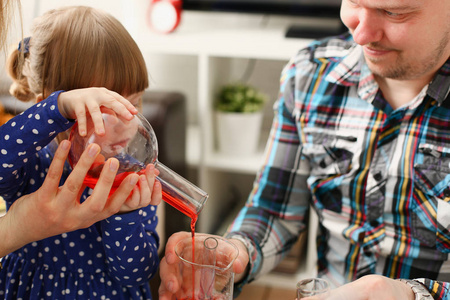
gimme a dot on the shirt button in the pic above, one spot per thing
(447, 192)
(374, 223)
(378, 176)
(361, 237)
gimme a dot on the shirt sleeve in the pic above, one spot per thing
(277, 207)
(438, 289)
(131, 245)
(22, 139)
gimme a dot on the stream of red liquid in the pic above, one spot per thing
(178, 204)
(181, 206)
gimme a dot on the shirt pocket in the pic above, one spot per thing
(330, 156)
(431, 204)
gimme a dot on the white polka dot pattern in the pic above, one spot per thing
(113, 259)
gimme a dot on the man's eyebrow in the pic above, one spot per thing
(401, 7)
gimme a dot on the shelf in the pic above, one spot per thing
(267, 44)
(243, 164)
(193, 145)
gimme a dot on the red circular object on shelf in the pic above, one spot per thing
(164, 15)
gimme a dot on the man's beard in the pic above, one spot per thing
(408, 68)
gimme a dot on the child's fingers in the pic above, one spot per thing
(82, 121)
(145, 191)
(156, 193)
(150, 173)
(123, 192)
(134, 200)
(96, 116)
(155, 186)
(111, 106)
(120, 105)
(130, 107)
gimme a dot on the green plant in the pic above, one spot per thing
(239, 97)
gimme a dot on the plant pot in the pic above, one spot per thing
(238, 133)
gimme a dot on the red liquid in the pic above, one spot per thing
(92, 181)
(178, 204)
(193, 221)
(182, 207)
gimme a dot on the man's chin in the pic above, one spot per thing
(384, 70)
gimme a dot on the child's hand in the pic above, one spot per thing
(147, 191)
(81, 104)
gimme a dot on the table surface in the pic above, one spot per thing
(258, 291)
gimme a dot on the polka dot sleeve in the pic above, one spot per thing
(131, 245)
(21, 140)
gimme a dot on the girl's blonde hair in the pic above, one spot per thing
(77, 47)
(6, 13)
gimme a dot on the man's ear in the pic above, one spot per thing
(39, 98)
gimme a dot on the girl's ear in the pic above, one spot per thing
(39, 98)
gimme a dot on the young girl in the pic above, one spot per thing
(73, 48)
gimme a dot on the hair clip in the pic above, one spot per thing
(24, 45)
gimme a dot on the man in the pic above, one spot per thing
(362, 132)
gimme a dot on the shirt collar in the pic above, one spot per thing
(353, 70)
(439, 88)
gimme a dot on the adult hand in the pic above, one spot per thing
(370, 287)
(53, 210)
(81, 103)
(170, 281)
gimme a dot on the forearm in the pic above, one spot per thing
(22, 224)
(8, 244)
(12, 234)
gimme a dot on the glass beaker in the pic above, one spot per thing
(311, 287)
(205, 270)
(135, 145)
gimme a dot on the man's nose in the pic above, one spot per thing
(368, 28)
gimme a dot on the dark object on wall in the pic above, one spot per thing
(311, 8)
(166, 112)
(319, 9)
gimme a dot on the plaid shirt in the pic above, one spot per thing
(377, 177)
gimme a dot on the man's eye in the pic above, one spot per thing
(393, 15)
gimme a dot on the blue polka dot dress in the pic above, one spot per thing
(113, 259)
